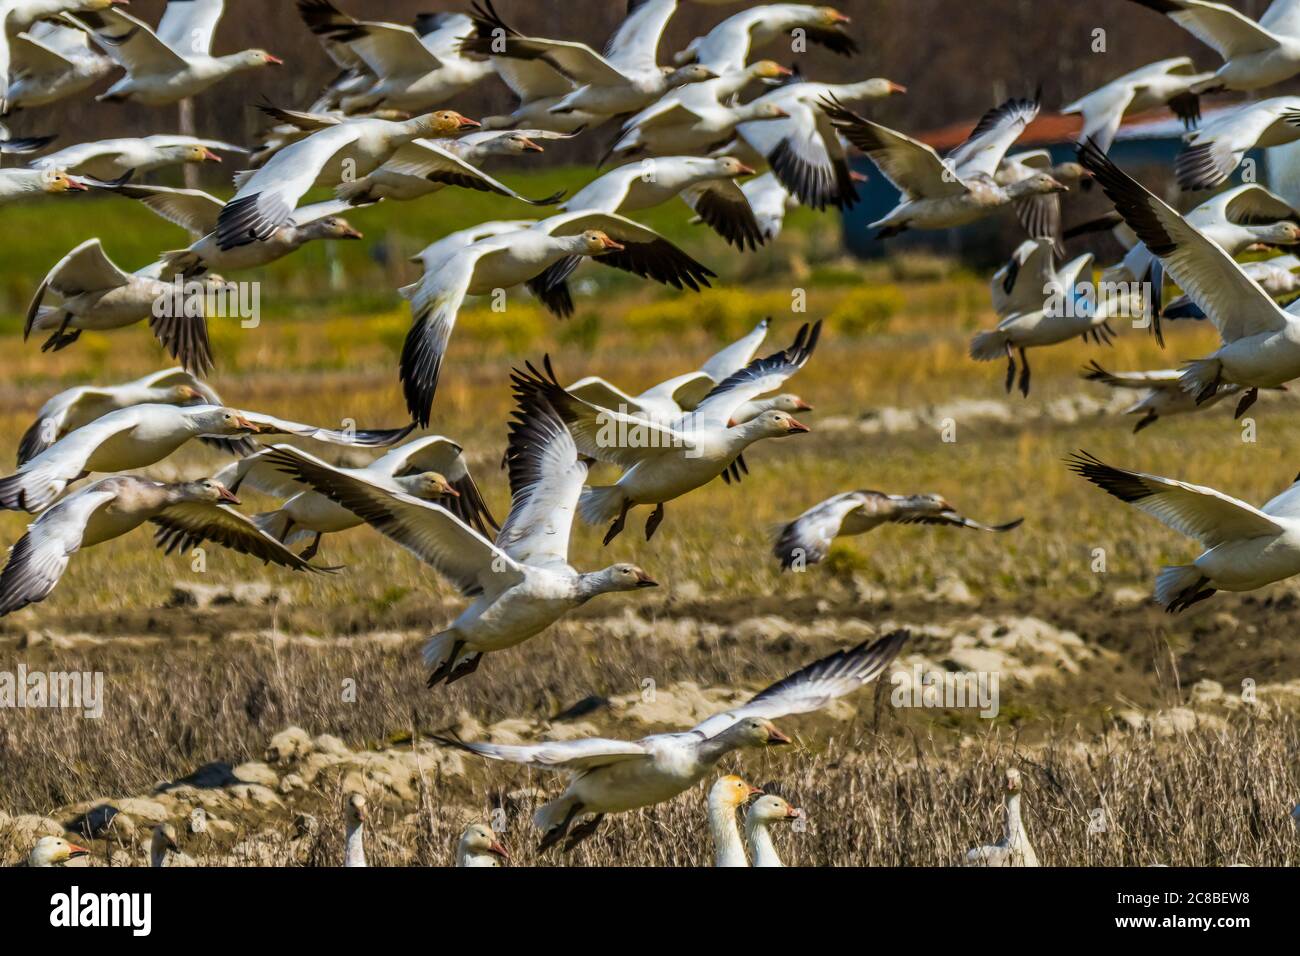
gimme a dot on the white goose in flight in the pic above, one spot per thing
(807, 539)
(111, 159)
(1163, 83)
(187, 514)
(612, 776)
(1261, 340)
(431, 467)
(172, 63)
(1218, 147)
(16, 184)
(763, 814)
(17, 16)
(1014, 848)
(141, 435)
(50, 62)
(521, 584)
(663, 461)
(479, 846)
(1161, 394)
(1255, 54)
(727, 46)
(1245, 547)
(727, 795)
(953, 191)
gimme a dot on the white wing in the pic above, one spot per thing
(132, 44)
(992, 137)
(38, 559)
(1227, 31)
(726, 362)
(807, 539)
(912, 167)
(358, 437)
(573, 756)
(187, 25)
(757, 378)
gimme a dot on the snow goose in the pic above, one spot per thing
(432, 467)
(1217, 148)
(1049, 305)
(83, 404)
(142, 435)
(187, 514)
(1014, 848)
(16, 16)
(335, 30)
(626, 79)
(521, 584)
(707, 185)
(1255, 54)
(807, 539)
(96, 294)
(612, 776)
(170, 64)
(663, 461)
(537, 87)
(51, 62)
(1261, 341)
(726, 47)
(18, 184)
(803, 148)
(541, 256)
(958, 189)
(54, 851)
(111, 159)
(266, 197)
(726, 796)
(1246, 547)
(767, 810)
(1163, 83)
(1161, 393)
(771, 203)
(354, 821)
(479, 846)
(162, 841)
(1041, 215)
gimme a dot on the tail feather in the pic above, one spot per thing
(1199, 375)
(181, 262)
(601, 504)
(275, 523)
(1180, 586)
(550, 815)
(988, 346)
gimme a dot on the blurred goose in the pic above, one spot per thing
(479, 846)
(432, 467)
(1255, 54)
(1276, 276)
(1162, 395)
(354, 821)
(537, 87)
(1245, 547)
(521, 584)
(803, 148)
(170, 64)
(83, 404)
(663, 461)
(1163, 83)
(162, 841)
(187, 514)
(807, 539)
(266, 197)
(1041, 215)
(726, 796)
(17, 16)
(1014, 848)
(336, 30)
(94, 293)
(18, 184)
(767, 810)
(50, 62)
(54, 851)
(707, 185)
(953, 191)
(111, 159)
(612, 776)
(771, 203)
(541, 256)
(1217, 148)
(727, 46)
(141, 435)
(1261, 341)
(626, 79)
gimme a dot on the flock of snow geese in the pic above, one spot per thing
(381, 132)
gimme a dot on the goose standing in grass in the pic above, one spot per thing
(111, 159)
(1217, 148)
(726, 796)
(1261, 340)
(727, 46)
(162, 841)
(142, 435)
(763, 813)
(187, 514)
(479, 846)
(431, 468)
(354, 821)
(1014, 848)
(521, 584)
(50, 62)
(612, 776)
(807, 539)
(1163, 83)
(1162, 395)
(170, 64)
(266, 197)
(663, 461)
(1255, 54)
(18, 184)
(953, 191)
(1245, 547)
(95, 294)
(54, 851)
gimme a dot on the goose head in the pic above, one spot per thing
(1070, 173)
(1284, 233)
(775, 423)
(182, 395)
(331, 227)
(224, 421)
(206, 490)
(830, 17)
(768, 70)
(620, 577)
(757, 732)
(354, 810)
(927, 504)
(54, 851)
(164, 839)
(730, 792)
(1039, 184)
(789, 402)
(59, 181)
(595, 242)
(1013, 781)
(429, 484)
(692, 73)
(731, 167)
(254, 59)
(761, 111)
(190, 154)
(770, 808)
(479, 839)
(443, 123)
(512, 143)
(878, 87)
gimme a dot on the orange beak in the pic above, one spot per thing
(75, 850)
(499, 850)
(775, 736)
(646, 582)
(801, 406)
(746, 170)
(731, 423)
(464, 122)
(228, 495)
(753, 791)
(348, 232)
(251, 426)
(797, 426)
(611, 245)
(274, 60)
(838, 17)
(783, 70)
(77, 186)
(210, 156)
(530, 146)
(793, 813)
(897, 87)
